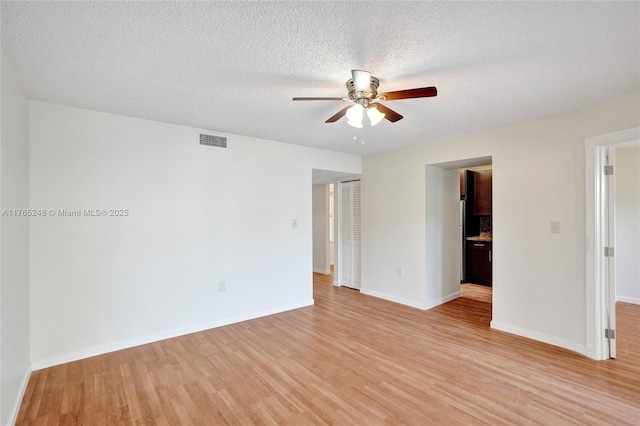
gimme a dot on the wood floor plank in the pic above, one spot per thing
(349, 359)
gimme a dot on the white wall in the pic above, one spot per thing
(320, 229)
(197, 216)
(539, 278)
(14, 246)
(442, 204)
(627, 180)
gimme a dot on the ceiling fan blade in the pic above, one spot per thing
(389, 114)
(361, 80)
(318, 99)
(422, 92)
(338, 115)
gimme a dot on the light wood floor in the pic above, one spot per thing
(349, 360)
(478, 292)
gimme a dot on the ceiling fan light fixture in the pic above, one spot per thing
(354, 116)
(374, 115)
(361, 81)
(363, 92)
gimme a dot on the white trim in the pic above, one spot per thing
(411, 303)
(13, 417)
(633, 300)
(337, 248)
(103, 349)
(394, 299)
(327, 237)
(552, 340)
(322, 271)
(596, 344)
(443, 300)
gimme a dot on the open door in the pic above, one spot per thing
(607, 157)
(600, 157)
(610, 199)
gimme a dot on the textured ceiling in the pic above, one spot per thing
(233, 67)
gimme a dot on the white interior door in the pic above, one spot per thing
(345, 234)
(349, 234)
(600, 269)
(355, 235)
(610, 233)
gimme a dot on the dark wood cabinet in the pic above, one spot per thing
(478, 262)
(482, 193)
(471, 223)
(475, 189)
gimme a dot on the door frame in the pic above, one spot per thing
(443, 247)
(598, 288)
(326, 177)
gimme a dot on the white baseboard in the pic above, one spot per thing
(541, 337)
(442, 300)
(13, 417)
(103, 349)
(322, 271)
(628, 300)
(391, 298)
(412, 303)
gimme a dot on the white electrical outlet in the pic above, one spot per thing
(400, 271)
(222, 286)
(555, 226)
(294, 223)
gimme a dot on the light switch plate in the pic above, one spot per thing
(555, 226)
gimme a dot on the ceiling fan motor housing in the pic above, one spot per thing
(363, 97)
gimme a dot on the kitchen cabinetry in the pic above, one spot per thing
(482, 193)
(471, 223)
(478, 259)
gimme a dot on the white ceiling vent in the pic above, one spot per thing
(212, 141)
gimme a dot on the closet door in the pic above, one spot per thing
(355, 235)
(350, 234)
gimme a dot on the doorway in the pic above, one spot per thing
(326, 219)
(476, 227)
(443, 239)
(602, 248)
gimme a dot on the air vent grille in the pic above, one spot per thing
(213, 141)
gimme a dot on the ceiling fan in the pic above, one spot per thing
(363, 94)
